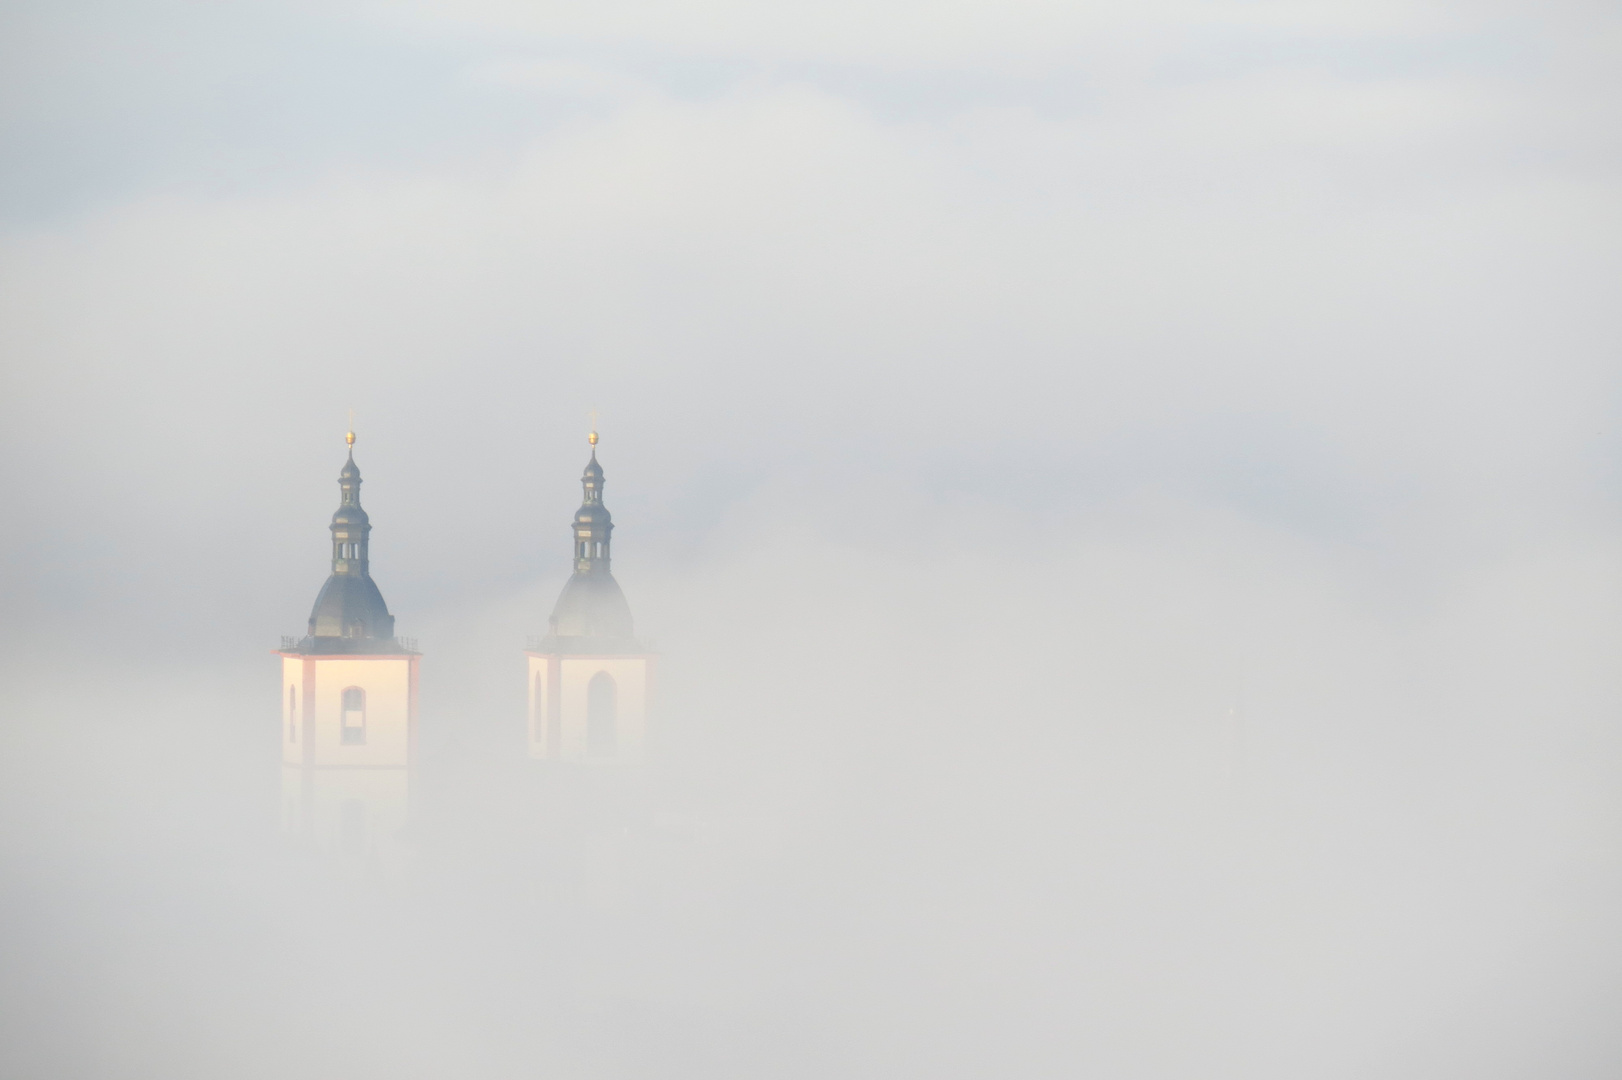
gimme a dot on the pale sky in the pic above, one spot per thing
(1321, 263)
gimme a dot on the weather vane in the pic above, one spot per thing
(592, 438)
(349, 436)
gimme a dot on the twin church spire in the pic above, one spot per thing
(349, 686)
(593, 524)
(591, 612)
(589, 677)
(351, 527)
(350, 615)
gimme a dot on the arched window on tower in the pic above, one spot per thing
(601, 714)
(353, 724)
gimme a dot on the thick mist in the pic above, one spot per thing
(1124, 497)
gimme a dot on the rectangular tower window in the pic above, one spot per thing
(353, 724)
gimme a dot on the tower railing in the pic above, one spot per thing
(294, 644)
(538, 642)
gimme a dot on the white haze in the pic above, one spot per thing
(1126, 497)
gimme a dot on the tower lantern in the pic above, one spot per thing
(351, 528)
(593, 525)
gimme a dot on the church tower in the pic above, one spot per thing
(589, 676)
(349, 701)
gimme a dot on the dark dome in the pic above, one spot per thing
(351, 515)
(593, 514)
(592, 605)
(350, 606)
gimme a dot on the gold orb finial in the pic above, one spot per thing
(592, 438)
(349, 436)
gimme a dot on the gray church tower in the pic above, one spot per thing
(589, 676)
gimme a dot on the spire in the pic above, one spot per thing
(349, 606)
(593, 524)
(591, 604)
(350, 527)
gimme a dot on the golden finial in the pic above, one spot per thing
(592, 438)
(349, 436)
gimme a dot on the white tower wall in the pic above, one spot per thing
(560, 701)
(346, 771)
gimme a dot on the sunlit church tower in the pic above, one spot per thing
(349, 701)
(589, 676)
